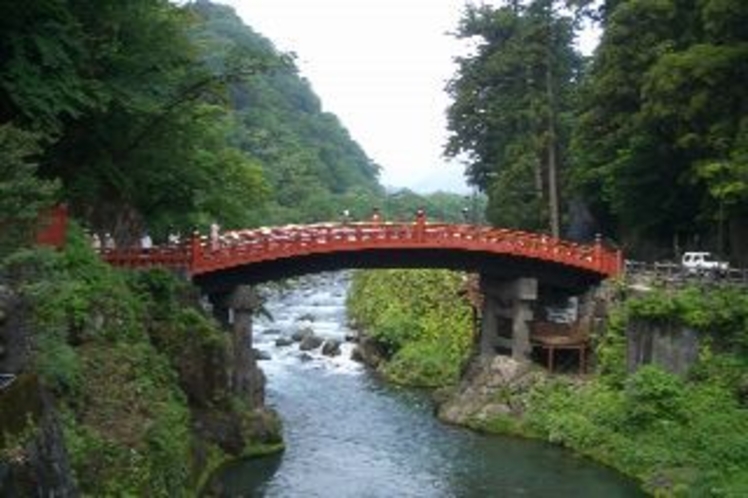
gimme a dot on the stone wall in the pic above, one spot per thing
(673, 347)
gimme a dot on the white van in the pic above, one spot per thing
(703, 262)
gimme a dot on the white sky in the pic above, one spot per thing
(381, 66)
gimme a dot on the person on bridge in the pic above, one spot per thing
(375, 216)
(146, 242)
(96, 242)
(214, 235)
(420, 216)
(109, 242)
(173, 238)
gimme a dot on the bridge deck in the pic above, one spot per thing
(203, 255)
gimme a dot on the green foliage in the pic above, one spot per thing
(510, 114)
(721, 313)
(58, 364)
(661, 113)
(678, 436)
(75, 293)
(22, 194)
(40, 74)
(653, 396)
(310, 161)
(610, 350)
(423, 364)
(132, 435)
(417, 315)
(674, 437)
(109, 345)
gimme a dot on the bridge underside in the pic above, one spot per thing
(487, 264)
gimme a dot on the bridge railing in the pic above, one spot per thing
(240, 247)
(178, 257)
(252, 245)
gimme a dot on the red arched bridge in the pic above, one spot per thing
(261, 254)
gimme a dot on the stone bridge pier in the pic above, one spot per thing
(233, 310)
(507, 312)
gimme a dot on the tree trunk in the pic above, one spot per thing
(553, 209)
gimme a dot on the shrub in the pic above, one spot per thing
(420, 320)
(653, 395)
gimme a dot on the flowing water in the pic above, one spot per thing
(350, 435)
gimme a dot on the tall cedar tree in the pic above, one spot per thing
(661, 149)
(510, 110)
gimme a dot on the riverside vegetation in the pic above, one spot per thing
(131, 371)
(678, 436)
(121, 384)
(148, 116)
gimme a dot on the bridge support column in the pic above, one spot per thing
(220, 309)
(507, 311)
(234, 311)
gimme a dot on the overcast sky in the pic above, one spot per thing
(381, 67)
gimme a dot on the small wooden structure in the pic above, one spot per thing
(553, 336)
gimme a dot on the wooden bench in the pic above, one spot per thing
(561, 336)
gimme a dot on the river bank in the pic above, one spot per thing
(677, 434)
(121, 381)
(350, 433)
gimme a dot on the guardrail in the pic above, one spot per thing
(670, 274)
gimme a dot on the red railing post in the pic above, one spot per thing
(420, 225)
(52, 227)
(597, 254)
(619, 263)
(195, 252)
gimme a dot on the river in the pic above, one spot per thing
(350, 435)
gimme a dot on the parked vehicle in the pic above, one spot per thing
(702, 262)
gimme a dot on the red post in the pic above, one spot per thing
(420, 224)
(597, 253)
(52, 229)
(195, 251)
(620, 264)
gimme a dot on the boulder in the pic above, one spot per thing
(356, 355)
(260, 355)
(492, 387)
(283, 341)
(310, 342)
(300, 334)
(331, 347)
(306, 317)
(368, 352)
(271, 332)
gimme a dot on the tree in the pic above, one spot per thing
(509, 115)
(23, 196)
(660, 140)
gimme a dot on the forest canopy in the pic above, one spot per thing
(644, 141)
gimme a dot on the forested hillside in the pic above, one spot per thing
(144, 116)
(644, 141)
(154, 116)
(308, 158)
